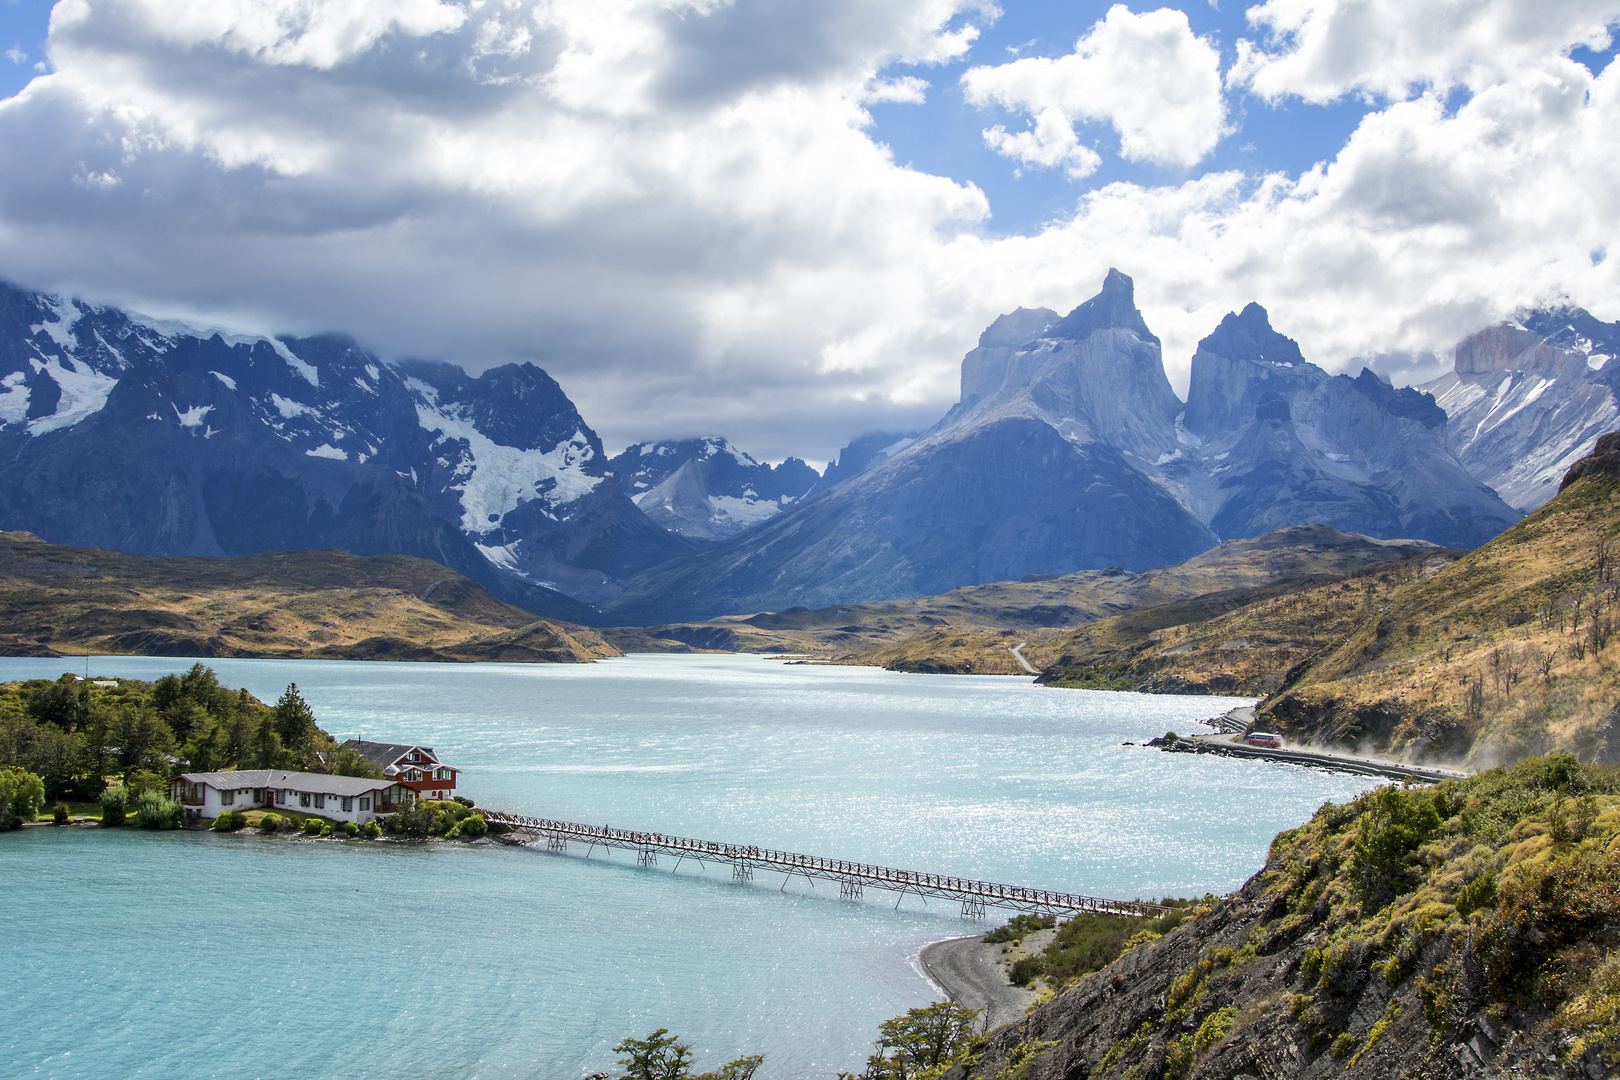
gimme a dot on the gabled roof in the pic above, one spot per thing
(387, 754)
(313, 783)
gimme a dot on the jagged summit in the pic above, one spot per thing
(706, 489)
(1112, 308)
(1248, 335)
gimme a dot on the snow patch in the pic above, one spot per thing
(192, 417)
(326, 450)
(503, 556)
(494, 480)
(1165, 459)
(229, 382)
(14, 402)
(1183, 436)
(742, 511)
(1595, 361)
(84, 393)
(287, 407)
(376, 376)
(60, 331)
(419, 387)
(362, 384)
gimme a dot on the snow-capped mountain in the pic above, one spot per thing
(157, 437)
(707, 489)
(1069, 450)
(1529, 398)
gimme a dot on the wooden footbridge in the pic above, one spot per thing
(853, 878)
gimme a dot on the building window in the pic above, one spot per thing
(365, 802)
(348, 803)
(281, 797)
(320, 802)
(441, 774)
(303, 798)
(226, 798)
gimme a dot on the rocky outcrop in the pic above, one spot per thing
(1528, 398)
(1269, 440)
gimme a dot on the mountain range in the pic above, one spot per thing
(1067, 451)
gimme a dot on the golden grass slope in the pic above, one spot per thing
(57, 600)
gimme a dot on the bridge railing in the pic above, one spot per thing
(992, 893)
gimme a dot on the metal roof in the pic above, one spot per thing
(313, 783)
(385, 754)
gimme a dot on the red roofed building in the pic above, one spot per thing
(415, 767)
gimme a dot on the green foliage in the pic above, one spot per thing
(660, 1056)
(351, 829)
(60, 813)
(1025, 970)
(1478, 893)
(114, 804)
(468, 803)
(1394, 824)
(921, 1040)
(312, 826)
(22, 795)
(1020, 926)
(347, 761)
(270, 823)
(230, 821)
(1021, 1059)
(294, 720)
(471, 827)
(430, 817)
(154, 810)
(371, 830)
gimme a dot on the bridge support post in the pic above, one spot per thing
(742, 872)
(972, 909)
(850, 890)
(648, 857)
(556, 843)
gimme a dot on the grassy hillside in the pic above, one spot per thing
(57, 600)
(1434, 932)
(1503, 653)
(969, 630)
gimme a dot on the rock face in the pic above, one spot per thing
(1036, 470)
(706, 489)
(158, 438)
(1269, 440)
(870, 449)
(1528, 398)
(1069, 451)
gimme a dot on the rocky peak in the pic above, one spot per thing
(1248, 336)
(1025, 324)
(1242, 366)
(1114, 308)
(1512, 347)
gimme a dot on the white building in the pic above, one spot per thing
(340, 798)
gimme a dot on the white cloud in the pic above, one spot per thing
(1320, 50)
(680, 212)
(1148, 75)
(16, 55)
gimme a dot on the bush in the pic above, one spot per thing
(312, 826)
(114, 804)
(60, 814)
(22, 794)
(371, 830)
(270, 823)
(230, 821)
(473, 826)
(468, 803)
(351, 829)
(155, 811)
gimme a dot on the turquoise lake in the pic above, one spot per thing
(133, 954)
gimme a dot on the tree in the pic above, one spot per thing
(293, 719)
(660, 1056)
(347, 761)
(22, 794)
(920, 1039)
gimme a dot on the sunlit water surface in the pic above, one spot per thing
(188, 955)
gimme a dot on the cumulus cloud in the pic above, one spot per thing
(1148, 75)
(1320, 50)
(694, 238)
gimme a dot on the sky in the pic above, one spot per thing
(785, 222)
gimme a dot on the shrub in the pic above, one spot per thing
(371, 830)
(270, 823)
(1025, 971)
(155, 811)
(60, 814)
(350, 828)
(473, 826)
(312, 826)
(230, 821)
(114, 804)
(468, 803)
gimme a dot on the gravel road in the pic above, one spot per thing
(966, 969)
